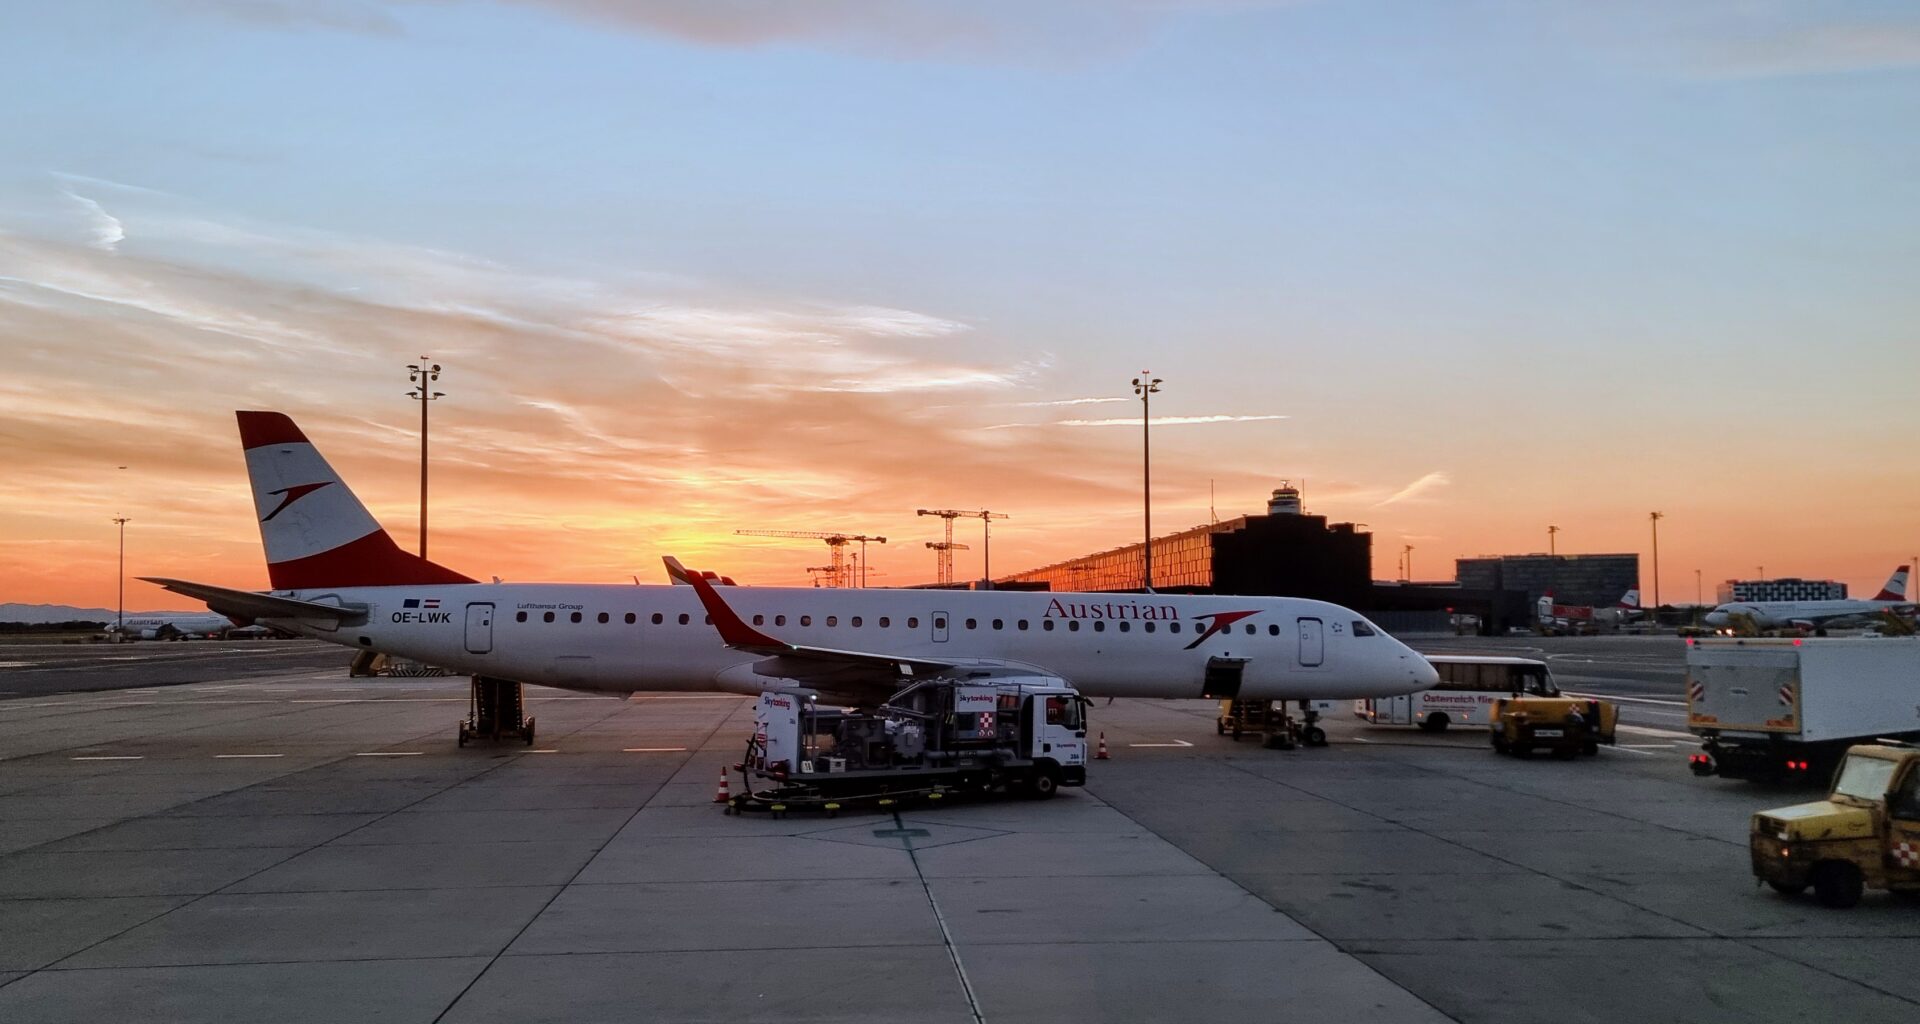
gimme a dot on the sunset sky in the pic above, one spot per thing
(1464, 269)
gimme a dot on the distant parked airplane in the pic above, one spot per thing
(1814, 614)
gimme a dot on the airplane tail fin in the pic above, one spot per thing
(316, 533)
(1896, 588)
(1631, 600)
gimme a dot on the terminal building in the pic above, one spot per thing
(1285, 553)
(1787, 588)
(1598, 581)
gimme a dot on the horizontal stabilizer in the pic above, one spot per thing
(247, 605)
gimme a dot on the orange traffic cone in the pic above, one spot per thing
(1102, 754)
(722, 796)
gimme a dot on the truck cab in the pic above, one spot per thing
(1865, 834)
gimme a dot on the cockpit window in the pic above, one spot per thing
(1361, 628)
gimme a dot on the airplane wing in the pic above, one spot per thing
(248, 606)
(800, 661)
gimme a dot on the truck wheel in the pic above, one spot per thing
(1565, 752)
(1219, 728)
(1591, 748)
(1837, 884)
(1042, 784)
(1436, 722)
(1788, 888)
(1500, 744)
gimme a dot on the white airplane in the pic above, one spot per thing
(338, 576)
(1553, 615)
(173, 627)
(1813, 614)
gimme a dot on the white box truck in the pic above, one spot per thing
(1777, 710)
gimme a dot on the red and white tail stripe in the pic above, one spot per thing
(317, 534)
(1896, 588)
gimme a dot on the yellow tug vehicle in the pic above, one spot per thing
(1565, 725)
(1865, 834)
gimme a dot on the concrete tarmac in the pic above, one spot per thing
(309, 847)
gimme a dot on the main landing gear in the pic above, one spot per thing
(496, 712)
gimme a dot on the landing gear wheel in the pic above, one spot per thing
(1837, 885)
(1313, 736)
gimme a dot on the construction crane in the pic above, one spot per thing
(946, 548)
(986, 534)
(836, 543)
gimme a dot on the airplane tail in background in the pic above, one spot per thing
(317, 534)
(1896, 588)
(1631, 600)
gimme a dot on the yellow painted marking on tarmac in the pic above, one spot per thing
(652, 750)
(390, 753)
(247, 755)
(110, 757)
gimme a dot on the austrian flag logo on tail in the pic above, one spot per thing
(1221, 622)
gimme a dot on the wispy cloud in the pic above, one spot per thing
(105, 230)
(1415, 489)
(1123, 421)
(1071, 401)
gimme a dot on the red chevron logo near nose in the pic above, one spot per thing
(293, 494)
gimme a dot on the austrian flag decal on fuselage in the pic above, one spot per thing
(415, 602)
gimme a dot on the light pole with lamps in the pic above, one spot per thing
(422, 375)
(1654, 518)
(1551, 530)
(120, 617)
(1146, 387)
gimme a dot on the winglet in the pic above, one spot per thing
(734, 631)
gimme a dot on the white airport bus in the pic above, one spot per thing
(1469, 684)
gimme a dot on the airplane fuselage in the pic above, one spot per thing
(620, 639)
(1779, 614)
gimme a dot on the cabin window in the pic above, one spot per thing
(885, 622)
(519, 616)
(708, 619)
(1273, 630)
(973, 623)
(1099, 625)
(806, 620)
(1046, 624)
(1173, 627)
(1023, 625)
(779, 620)
(1251, 629)
(1148, 626)
(854, 622)
(603, 618)
(759, 620)
(1073, 625)
(1359, 629)
(833, 620)
(658, 618)
(998, 624)
(913, 622)
(1126, 627)
(683, 618)
(546, 617)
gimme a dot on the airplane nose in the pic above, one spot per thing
(1716, 618)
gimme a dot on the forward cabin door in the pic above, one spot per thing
(479, 628)
(1313, 643)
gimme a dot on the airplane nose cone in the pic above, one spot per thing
(1424, 674)
(1716, 618)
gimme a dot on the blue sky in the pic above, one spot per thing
(1467, 239)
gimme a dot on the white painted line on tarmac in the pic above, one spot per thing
(390, 753)
(1641, 730)
(1629, 700)
(1175, 743)
(1630, 750)
(110, 757)
(1647, 746)
(543, 750)
(247, 755)
(652, 750)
